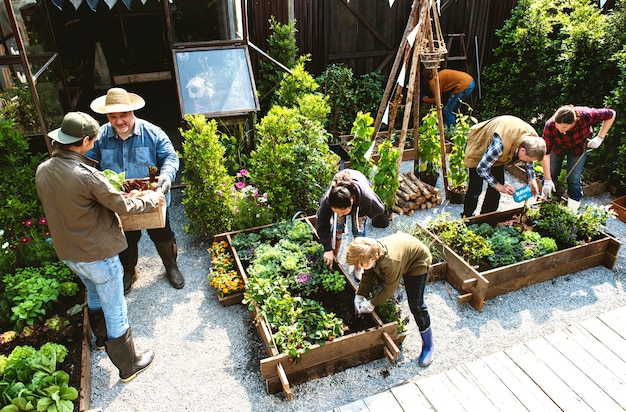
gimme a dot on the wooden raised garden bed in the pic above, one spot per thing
(619, 207)
(280, 372)
(475, 287)
(592, 184)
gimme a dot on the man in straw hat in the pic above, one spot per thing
(131, 145)
(81, 205)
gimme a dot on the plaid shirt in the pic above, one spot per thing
(493, 153)
(575, 140)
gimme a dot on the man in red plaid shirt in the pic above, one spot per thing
(569, 134)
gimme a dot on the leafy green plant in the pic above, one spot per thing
(207, 199)
(333, 280)
(250, 207)
(429, 146)
(292, 161)
(286, 269)
(385, 180)
(458, 174)
(361, 143)
(31, 382)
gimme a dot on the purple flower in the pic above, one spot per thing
(28, 223)
(240, 185)
(303, 278)
(43, 221)
(243, 172)
(220, 193)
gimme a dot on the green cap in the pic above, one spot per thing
(75, 126)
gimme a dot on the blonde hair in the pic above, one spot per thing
(361, 250)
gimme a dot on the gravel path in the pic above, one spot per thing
(207, 356)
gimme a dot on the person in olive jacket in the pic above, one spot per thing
(392, 259)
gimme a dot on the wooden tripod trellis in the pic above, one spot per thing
(419, 45)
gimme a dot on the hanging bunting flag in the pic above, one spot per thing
(401, 77)
(602, 3)
(76, 3)
(411, 37)
(391, 3)
(110, 3)
(58, 3)
(127, 3)
(386, 115)
(93, 4)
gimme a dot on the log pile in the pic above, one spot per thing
(414, 194)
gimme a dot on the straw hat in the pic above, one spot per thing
(117, 100)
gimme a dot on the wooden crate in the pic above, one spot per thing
(476, 287)
(146, 220)
(593, 186)
(350, 350)
(619, 207)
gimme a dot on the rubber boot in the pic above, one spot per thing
(573, 205)
(98, 327)
(129, 261)
(428, 348)
(122, 353)
(168, 252)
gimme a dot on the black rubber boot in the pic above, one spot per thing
(98, 327)
(129, 259)
(168, 252)
(122, 353)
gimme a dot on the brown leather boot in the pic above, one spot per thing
(98, 327)
(168, 252)
(122, 353)
(129, 259)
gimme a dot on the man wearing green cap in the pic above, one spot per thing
(82, 209)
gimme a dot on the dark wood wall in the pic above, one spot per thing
(365, 34)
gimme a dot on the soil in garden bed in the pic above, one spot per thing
(342, 305)
(71, 338)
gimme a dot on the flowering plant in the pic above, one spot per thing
(223, 277)
(26, 244)
(250, 208)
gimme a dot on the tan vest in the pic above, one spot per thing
(512, 130)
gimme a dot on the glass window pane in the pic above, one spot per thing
(215, 81)
(201, 20)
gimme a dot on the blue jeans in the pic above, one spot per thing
(414, 286)
(574, 180)
(454, 101)
(105, 290)
(341, 223)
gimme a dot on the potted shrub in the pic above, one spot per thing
(458, 174)
(386, 182)
(429, 148)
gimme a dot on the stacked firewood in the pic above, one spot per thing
(414, 194)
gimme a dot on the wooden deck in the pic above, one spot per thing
(580, 368)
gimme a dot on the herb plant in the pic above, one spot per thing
(361, 143)
(385, 180)
(429, 146)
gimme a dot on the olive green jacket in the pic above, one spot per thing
(403, 255)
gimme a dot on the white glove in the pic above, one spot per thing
(358, 299)
(595, 142)
(164, 183)
(366, 307)
(547, 189)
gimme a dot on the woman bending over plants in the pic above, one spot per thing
(391, 259)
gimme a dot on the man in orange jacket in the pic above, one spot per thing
(457, 83)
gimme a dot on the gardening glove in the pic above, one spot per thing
(164, 183)
(595, 142)
(547, 189)
(358, 299)
(366, 307)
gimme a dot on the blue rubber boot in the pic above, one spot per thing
(428, 348)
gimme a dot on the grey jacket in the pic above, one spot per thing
(81, 205)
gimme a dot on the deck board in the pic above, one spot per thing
(579, 368)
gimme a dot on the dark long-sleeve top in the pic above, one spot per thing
(366, 201)
(403, 255)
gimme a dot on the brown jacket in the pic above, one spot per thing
(512, 130)
(81, 205)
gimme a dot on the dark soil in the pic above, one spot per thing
(342, 305)
(71, 338)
